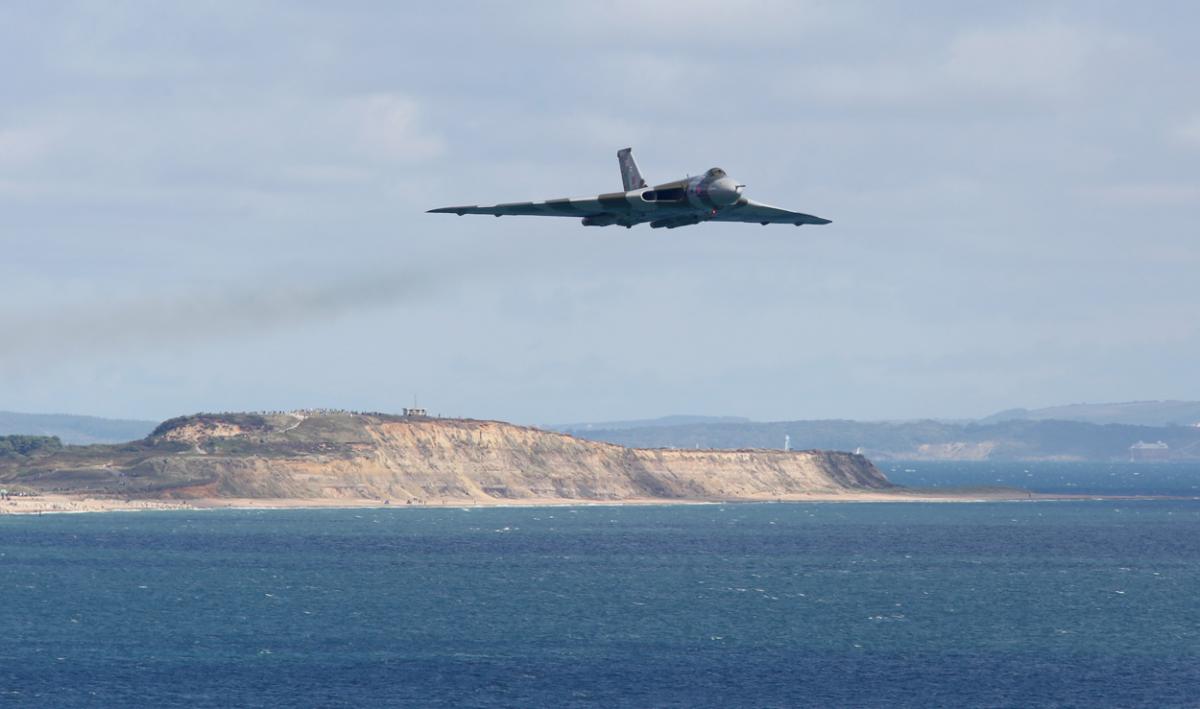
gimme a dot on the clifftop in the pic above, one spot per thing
(334, 455)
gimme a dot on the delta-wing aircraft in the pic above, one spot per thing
(713, 196)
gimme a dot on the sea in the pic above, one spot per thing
(1081, 603)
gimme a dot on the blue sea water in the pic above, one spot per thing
(1071, 604)
(1072, 478)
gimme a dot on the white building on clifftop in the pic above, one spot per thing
(1149, 451)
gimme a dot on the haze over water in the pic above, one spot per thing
(990, 604)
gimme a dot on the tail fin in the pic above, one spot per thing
(630, 175)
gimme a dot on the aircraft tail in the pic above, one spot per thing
(630, 175)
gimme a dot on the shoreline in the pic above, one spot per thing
(84, 504)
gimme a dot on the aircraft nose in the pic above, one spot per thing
(725, 191)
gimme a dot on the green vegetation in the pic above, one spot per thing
(29, 445)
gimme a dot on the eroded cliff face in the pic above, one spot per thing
(439, 460)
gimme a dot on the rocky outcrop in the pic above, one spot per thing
(335, 456)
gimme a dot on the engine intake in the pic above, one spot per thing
(674, 222)
(671, 194)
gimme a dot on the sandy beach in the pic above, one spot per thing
(68, 504)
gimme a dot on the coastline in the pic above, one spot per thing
(83, 504)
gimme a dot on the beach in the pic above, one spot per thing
(66, 503)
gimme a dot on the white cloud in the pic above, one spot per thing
(1041, 61)
(885, 84)
(1153, 194)
(704, 25)
(225, 151)
(1188, 132)
(22, 146)
(1041, 58)
(390, 126)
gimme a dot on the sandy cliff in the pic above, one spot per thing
(354, 456)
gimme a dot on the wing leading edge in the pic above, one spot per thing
(747, 210)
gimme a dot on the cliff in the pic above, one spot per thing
(374, 456)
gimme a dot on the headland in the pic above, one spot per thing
(343, 459)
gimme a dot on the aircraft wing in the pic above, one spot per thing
(747, 210)
(569, 207)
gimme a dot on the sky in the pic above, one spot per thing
(220, 206)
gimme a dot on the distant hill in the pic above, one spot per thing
(675, 420)
(74, 430)
(1136, 413)
(924, 440)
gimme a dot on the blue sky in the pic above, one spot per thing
(220, 206)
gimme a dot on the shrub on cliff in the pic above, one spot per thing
(29, 445)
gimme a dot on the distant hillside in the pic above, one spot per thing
(1135, 413)
(924, 440)
(74, 430)
(675, 420)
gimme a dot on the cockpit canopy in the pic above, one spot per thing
(715, 173)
